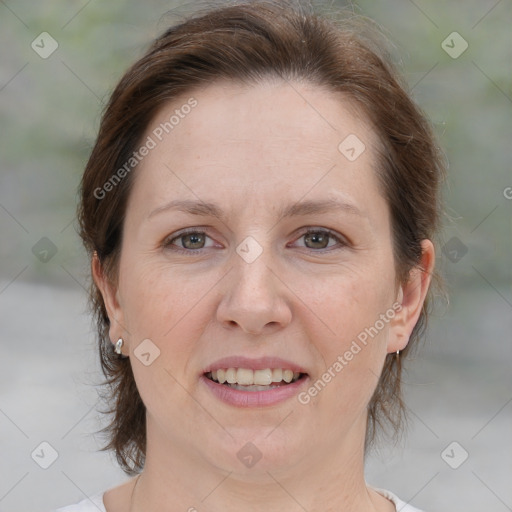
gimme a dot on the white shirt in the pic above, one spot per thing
(95, 504)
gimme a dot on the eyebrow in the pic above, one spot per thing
(303, 208)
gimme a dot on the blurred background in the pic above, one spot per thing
(457, 58)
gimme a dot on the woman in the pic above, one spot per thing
(259, 208)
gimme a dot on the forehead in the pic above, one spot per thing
(272, 109)
(257, 141)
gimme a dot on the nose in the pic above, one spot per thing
(255, 297)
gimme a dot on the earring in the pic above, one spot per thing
(397, 356)
(119, 346)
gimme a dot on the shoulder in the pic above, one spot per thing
(400, 505)
(92, 504)
(95, 504)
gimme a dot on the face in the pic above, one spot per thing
(263, 280)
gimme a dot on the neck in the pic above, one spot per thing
(177, 478)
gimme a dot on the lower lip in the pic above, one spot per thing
(240, 398)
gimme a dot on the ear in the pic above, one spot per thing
(411, 296)
(110, 295)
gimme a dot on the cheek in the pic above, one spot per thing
(156, 299)
(171, 308)
(349, 303)
(162, 305)
(357, 309)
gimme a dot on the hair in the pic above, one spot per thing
(249, 42)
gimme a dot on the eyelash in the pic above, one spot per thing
(167, 243)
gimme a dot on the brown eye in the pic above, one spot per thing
(187, 241)
(320, 238)
(193, 240)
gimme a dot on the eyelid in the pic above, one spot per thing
(185, 231)
(340, 239)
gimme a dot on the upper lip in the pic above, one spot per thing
(260, 363)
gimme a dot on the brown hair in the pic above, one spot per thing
(248, 42)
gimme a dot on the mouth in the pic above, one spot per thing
(240, 381)
(246, 379)
(267, 383)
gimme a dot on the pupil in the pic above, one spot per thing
(194, 238)
(315, 237)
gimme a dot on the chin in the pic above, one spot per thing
(256, 451)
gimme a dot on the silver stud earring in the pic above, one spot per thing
(119, 346)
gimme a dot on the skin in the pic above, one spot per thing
(251, 150)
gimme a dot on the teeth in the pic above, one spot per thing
(262, 377)
(248, 377)
(287, 375)
(231, 376)
(244, 376)
(277, 375)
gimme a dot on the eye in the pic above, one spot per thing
(191, 240)
(320, 238)
(194, 240)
